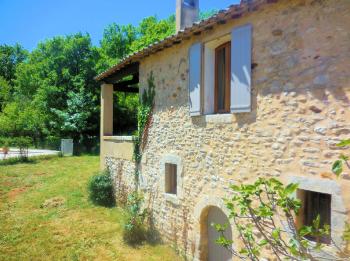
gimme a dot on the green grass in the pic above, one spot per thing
(75, 230)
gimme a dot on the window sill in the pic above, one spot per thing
(218, 118)
(173, 198)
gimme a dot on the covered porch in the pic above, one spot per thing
(114, 144)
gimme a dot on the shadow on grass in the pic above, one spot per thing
(25, 160)
(142, 234)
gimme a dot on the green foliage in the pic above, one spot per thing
(10, 58)
(257, 210)
(5, 93)
(135, 230)
(51, 92)
(22, 143)
(143, 115)
(337, 167)
(344, 143)
(151, 30)
(101, 191)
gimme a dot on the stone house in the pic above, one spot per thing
(260, 89)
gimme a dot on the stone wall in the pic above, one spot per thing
(123, 173)
(301, 109)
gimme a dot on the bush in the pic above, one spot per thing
(101, 190)
(135, 231)
(23, 143)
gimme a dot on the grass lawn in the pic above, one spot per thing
(68, 228)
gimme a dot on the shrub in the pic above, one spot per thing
(135, 231)
(101, 190)
(23, 143)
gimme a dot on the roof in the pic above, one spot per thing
(232, 12)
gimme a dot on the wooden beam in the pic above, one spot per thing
(130, 69)
(133, 81)
(126, 89)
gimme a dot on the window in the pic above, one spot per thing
(314, 204)
(170, 178)
(222, 78)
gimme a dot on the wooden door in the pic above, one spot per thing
(215, 251)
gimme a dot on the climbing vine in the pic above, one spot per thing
(135, 230)
(144, 118)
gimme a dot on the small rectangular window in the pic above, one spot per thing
(170, 178)
(222, 78)
(314, 204)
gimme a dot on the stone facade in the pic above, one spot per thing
(300, 110)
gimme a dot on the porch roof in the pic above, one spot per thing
(232, 12)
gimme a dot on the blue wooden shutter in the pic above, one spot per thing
(194, 87)
(241, 48)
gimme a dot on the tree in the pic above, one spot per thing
(58, 78)
(10, 57)
(151, 30)
(116, 44)
(4, 92)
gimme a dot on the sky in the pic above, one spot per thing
(28, 22)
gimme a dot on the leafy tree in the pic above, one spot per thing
(10, 57)
(59, 79)
(4, 92)
(152, 30)
(116, 44)
(51, 92)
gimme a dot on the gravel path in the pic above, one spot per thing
(31, 153)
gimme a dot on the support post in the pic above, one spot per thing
(106, 123)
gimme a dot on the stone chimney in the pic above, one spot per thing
(187, 12)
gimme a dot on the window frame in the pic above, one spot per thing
(227, 47)
(170, 179)
(306, 214)
(175, 159)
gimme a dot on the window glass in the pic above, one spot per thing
(222, 78)
(170, 178)
(317, 204)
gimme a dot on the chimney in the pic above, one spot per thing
(187, 12)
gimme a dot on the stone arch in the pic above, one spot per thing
(202, 211)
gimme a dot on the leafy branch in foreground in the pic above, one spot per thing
(337, 167)
(264, 215)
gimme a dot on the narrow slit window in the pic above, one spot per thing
(222, 78)
(171, 178)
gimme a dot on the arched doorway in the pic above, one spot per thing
(215, 251)
(209, 250)
(211, 209)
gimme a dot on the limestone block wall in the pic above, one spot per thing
(123, 173)
(301, 109)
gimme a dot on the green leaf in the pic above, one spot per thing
(263, 242)
(291, 188)
(344, 143)
(337, 167)
(305, 230)
(276, 233)
(343, 157)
